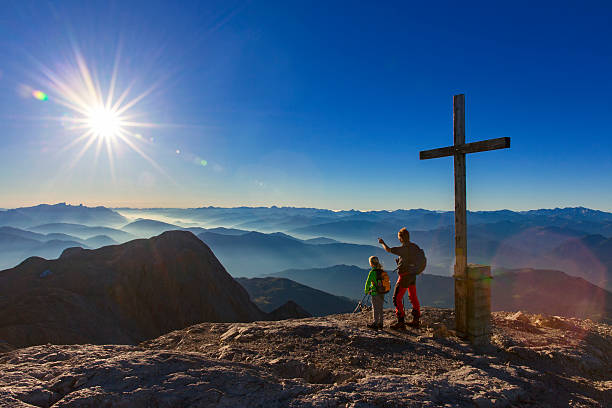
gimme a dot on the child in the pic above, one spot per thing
(374, 288)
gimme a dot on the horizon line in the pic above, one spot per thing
(298, 208)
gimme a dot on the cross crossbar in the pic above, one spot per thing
(482, 146)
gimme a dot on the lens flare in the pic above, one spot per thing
(40, 95)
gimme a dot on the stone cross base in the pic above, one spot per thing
(473, 304)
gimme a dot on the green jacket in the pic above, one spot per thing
(370, 285)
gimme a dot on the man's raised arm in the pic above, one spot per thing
(385, 247)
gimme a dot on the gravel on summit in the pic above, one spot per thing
(332, 361)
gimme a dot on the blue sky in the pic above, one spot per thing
(318, 104)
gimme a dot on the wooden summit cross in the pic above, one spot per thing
(467, 299)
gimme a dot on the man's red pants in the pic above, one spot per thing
(398, 296)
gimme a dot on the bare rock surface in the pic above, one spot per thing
(332, 361)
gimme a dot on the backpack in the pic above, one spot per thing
(383, 283)
(418, 262)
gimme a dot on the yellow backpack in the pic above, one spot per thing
(383, 283)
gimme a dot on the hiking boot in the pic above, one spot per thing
(416, 322)
(373, 326)
(400, 325)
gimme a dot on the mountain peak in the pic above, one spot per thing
(290, 310)
(177, 236)
(72, 251)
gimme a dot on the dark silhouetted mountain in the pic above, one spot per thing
(148, 228)
(551, 292)
(270, 293)
(589, 257)
(83, 231)
(289, 310)
(341, 280)
(45, 213)
(255, 253)
(119, 294)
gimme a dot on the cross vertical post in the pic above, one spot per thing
(460, 214)
(460, 200)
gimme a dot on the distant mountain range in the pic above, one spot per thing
(147, 228)
(574, 240)
(255, 253)
(83, 231)
(45, 213)
(17, 245)
(310, 221)
(271, 293)
(314, 221)
(533, 290)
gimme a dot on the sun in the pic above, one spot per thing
(104, 122)
(100, 119)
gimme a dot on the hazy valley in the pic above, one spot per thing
(258, 241)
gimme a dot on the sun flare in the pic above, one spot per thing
(104, 122)
(102, 119)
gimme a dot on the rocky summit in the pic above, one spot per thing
(120, 293)
(332, 361)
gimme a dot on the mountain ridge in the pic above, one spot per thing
(271, 293)
(61, 212)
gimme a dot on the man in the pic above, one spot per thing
(409, 255)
